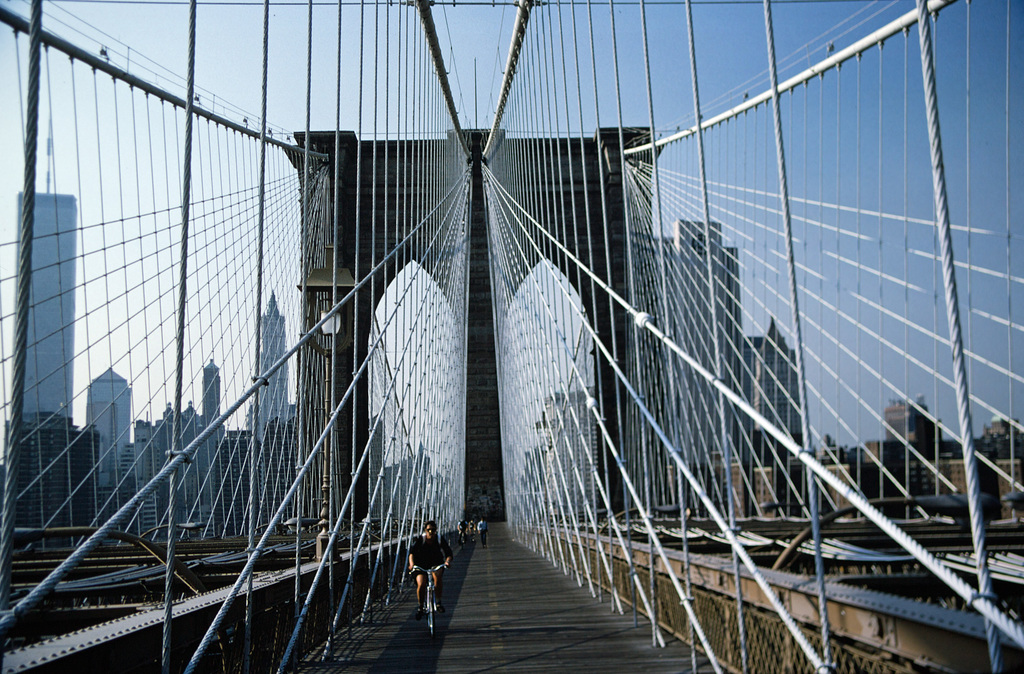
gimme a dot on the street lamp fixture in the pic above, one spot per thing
(1014, 498)
(303, 522)
(320, 285)
(182, 526)
(333, 325)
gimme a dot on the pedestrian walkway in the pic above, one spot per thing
(507, 610)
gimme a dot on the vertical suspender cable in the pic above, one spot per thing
(588, 505)
(355, 300)
(254, 424)
(608, 270)
(658, 236)
(955, 335)
(373, 258)
(398, 477)
(629, 276)
(423, 6)
(329, 464)
(304, 357)
(25, 234)
(592, 473)
(1009, 236)
(172, 486)
(512, 63)
(712, 247)
(553, 164)
(812, 485)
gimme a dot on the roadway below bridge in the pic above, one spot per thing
(507, 609)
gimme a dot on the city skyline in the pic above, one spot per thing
(278, 391)
(847, 293)
(878, 303)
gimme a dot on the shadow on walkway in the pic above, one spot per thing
(510, 610)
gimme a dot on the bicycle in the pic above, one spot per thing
(431, 607)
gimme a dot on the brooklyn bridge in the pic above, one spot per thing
(713, 310)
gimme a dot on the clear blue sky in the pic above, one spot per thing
(149, 38)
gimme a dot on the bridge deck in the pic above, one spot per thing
(507, 609)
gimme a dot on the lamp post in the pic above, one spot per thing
(323, 286)
(332, 327)
(1014, 498)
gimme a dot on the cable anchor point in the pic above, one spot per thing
(173, 453)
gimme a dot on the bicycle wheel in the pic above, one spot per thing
(430, 610)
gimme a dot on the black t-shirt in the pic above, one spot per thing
(429, 555)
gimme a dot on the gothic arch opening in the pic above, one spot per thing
(417, 390)
(549, 436)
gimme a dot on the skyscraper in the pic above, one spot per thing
(772, 382)
(274, 401)
(56, 485)
(276, 461)
(51, 331)
(694, 326)
(211, 392)
(205, 456)
(108, 409)
(232, 484)
(901, 419)
(149, 451)
(191, 478)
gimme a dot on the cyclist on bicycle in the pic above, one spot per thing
(430, 550)
(463, 530)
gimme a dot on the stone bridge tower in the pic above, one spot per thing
(484, 489)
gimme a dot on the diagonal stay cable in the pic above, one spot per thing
(983, 604)
(49, 583)
(592, 405)
(211, 631)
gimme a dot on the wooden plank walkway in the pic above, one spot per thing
(507, 609)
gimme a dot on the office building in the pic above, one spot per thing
(230, 484)
(49, 386)
(274, 398)
(901, 417)
(56, 482)
(771, 383)
(694, 324)
(204, 460)
(108, 409)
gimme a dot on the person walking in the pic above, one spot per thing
(481, 527)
